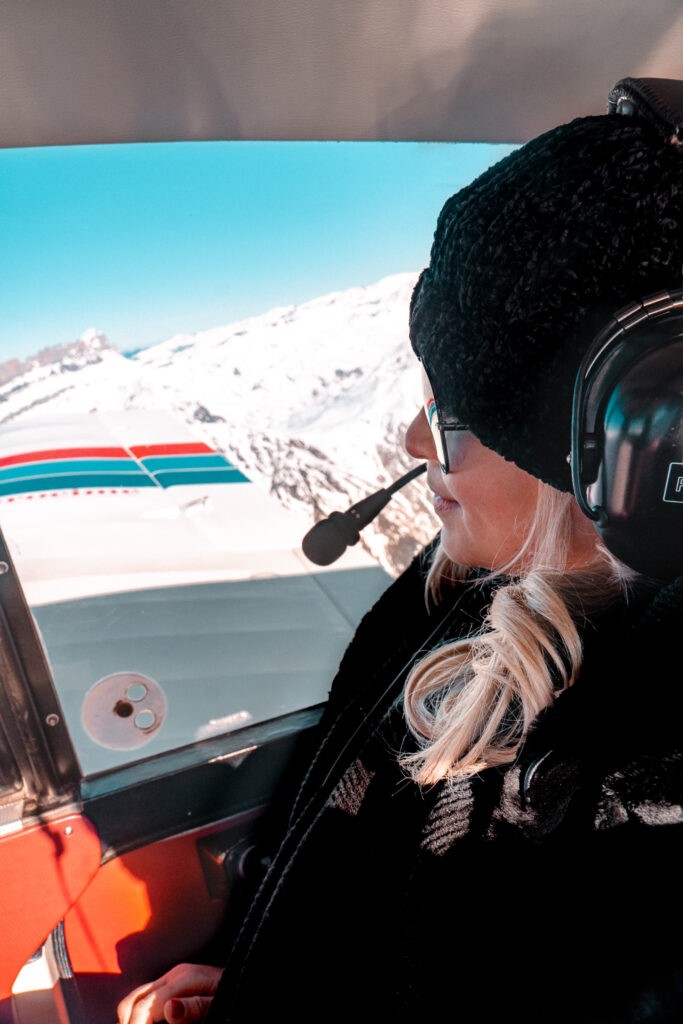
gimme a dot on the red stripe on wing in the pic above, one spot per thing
(64, 453)
(143, 451)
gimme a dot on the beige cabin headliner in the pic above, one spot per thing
(86, 71)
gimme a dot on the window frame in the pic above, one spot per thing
(37, 735)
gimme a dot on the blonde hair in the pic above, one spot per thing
(470, 702)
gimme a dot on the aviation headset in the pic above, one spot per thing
(627, 418)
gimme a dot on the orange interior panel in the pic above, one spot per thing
(44, 869)
(145, 911)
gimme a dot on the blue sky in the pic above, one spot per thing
(144, 241)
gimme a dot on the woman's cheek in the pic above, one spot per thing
(460, 450)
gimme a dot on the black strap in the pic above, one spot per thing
(659, 100)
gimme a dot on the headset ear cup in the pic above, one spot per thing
(638, 479)
(586, 450)
(591, 457)
(627, 435)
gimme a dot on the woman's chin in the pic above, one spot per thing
(455, 547)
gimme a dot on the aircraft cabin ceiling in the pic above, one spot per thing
(85, 71)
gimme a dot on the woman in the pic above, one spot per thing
(491, 824)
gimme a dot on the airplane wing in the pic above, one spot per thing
(145, 555)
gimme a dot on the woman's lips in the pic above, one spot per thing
(442, 504)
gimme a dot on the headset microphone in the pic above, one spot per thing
(328, 540)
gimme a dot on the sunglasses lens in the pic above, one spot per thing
(446, 433)
(433, 421)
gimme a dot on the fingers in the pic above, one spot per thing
(183, 984)
(187, 1011)
(138, 998)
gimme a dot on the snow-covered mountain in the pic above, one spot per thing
(309, 401)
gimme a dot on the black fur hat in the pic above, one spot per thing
(528, 263)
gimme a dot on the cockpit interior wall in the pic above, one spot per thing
(89, 71)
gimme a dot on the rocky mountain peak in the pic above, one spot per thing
(69, 355)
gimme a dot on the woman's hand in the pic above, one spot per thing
(181, 996)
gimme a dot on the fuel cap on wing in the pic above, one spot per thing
(123, 710)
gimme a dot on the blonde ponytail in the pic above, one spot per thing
(470, 702)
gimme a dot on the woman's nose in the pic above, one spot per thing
(419, 441)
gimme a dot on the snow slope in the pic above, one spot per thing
(309, 401)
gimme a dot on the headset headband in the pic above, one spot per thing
(658, 100)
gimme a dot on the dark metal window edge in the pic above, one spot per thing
(194, 786)
(32, 715)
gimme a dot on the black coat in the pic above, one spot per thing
(546, 891)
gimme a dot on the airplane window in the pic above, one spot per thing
(203, 349)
